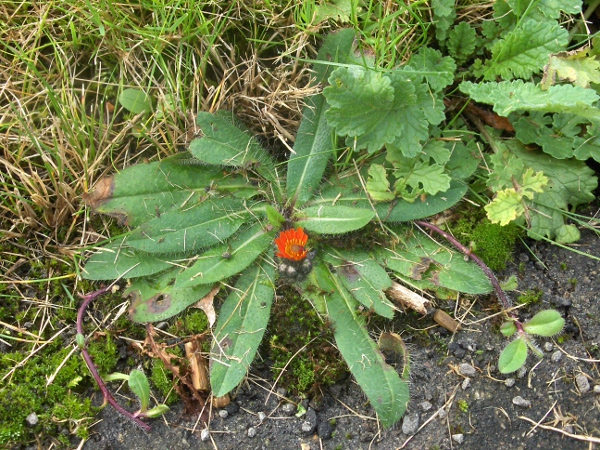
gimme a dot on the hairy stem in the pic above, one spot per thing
(108, 398)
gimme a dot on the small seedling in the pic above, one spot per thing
(138, 383)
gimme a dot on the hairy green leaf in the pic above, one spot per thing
(240, 327)
(513, 356)
(444, 13)
(437, 70)
(228, 259)
(545, 323)
(314, 143)
(144, 191)
(431, 266)
(577, 67)
(225, 143)
(333, 219)
(387, 392)
(508, 328)
(461, 41)
(157, 299)
(378, 185)
(364, 278)
(117, 260)
(190, 228)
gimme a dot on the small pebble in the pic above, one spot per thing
(520, 401)
(548, 346)
(556, 356)
(262, 416)
(410, 424)
(522, 372)
(223, 414)
(466, 383)
(251, 432)
(458, 438)
(204, 435)
(442, 415)
(288, 409)
(597, 389)
(509, 382)
(32, 419)
(425, 406)
(582, 383)
(310, 421)
(467, 370)
(282, 392)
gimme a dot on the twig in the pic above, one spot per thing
(566, 433)
(108, 398)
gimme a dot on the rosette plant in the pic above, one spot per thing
(226, 213)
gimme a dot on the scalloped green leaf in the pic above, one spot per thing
(545, 323)
(157, 299)
(461, 41)
(144, 191)
(228, 259)
(513, 357)
(437, 70)
(384, 388)
(333, 219)
(517, 95)
(240, 327)
(190, 228)
(117, 260)
(524, 50)
(363, 277)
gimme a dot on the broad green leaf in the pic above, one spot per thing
(333, 219)
(378, 186)
(157, 299)
(240, 327)
(374, 109)
(416, 177)
(138, 383)
(506, 207)
(136, 101)
(334, 9)
(524, 51)
(144, 191)
(190, 228)
(545, 323)
(432, 266)
(513, 356)
(228, 259)
(117, 260)
(226, 144)
(275, 218)
(363, 277)
(386, 391)
(517, 95)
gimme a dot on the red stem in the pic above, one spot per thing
(87, 299)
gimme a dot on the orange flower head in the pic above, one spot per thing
(292, 244)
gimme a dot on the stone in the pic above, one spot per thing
(204, 435)
(425, 406)
(410, 424)
(520, 401)
(310, 421)
(288, 409)
(458, 438)
(467, 370)
(509, 382)
(251, 432)
(32, 419)
(583, 384)
(223, 414)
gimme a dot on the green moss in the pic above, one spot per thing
(463, 405)
(162, 380)
(192, 321)
(492, 242)
(530, 297)
(294, 324)
(104, 354)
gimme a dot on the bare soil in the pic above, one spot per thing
(483, 412)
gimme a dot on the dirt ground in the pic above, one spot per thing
(452, 405)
